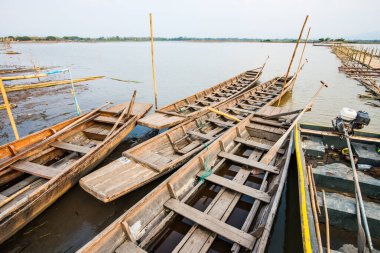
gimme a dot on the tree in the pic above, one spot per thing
(51, 38)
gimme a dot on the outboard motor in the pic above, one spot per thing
(350, 120)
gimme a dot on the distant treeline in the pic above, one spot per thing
(119, 38)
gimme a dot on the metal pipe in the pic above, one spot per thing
(358, 192)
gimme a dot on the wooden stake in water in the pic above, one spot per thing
(152, 52)
(291, 61)
(299, 63)
(8, 107)
(327, 222)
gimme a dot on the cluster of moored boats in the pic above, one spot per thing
(230, 146)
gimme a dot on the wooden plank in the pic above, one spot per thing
(243, 189)
(107, 120)
(268, 122)
(200, 135)
(212, 224)
(220, 122)
(249, 162)
(160, 120)
(70, 147)
(255, 144)
(267, 93)
(189, 147)
(129, 247)
(262, 127)
(96, 133)
(195, 106)
(35, 169)
(240, 110)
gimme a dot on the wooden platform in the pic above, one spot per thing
(160, 120)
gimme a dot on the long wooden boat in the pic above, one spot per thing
(38, 169)
(165, 152)
(194, 105)
(323, 166)
(227, 196)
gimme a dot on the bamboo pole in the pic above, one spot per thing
(314, 208)
(152, 53)
(10, 78)
(300, 61)
(291, 61)
(128, 109)
(13, 196)
(272, 152)
(327, 223)
(3, 106)
(370, 59)
(8, 107)
(48, 84)
(228, 116)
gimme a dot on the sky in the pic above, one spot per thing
(195, 18)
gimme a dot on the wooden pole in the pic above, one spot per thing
(226, 115)
(13, 196)
(8, 107)
(291, 61)
(152, 52)
(303, 51)
(327, 223)
(314, 208)
(9, 78)
(272, 152)
(128, 110)
(370, 59)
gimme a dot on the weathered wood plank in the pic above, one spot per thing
(255, 144)
(129, 247)
(267, 122)
(220, 122)
(243, 189)
(240, 110)
(107, 120)
(35, 169)
(248, 162)
(211, 223)
(70, 147)
(200, 135)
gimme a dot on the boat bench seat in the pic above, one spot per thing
(248, 162)
(314, 146)
(36, 169)
(209, 222)
(70, 147)
(367, 153)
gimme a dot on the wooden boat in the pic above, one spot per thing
(233, 208)
(321, 164)
(165, 152)
(194, 105)
(38, 169)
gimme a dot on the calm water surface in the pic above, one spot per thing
(183, 68)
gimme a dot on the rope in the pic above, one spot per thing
(207, 170)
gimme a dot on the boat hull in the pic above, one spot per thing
(30, 206)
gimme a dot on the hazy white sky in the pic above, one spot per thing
(195, 18)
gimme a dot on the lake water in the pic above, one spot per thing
(182, 68)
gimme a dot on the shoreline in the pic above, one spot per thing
(193, 41)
